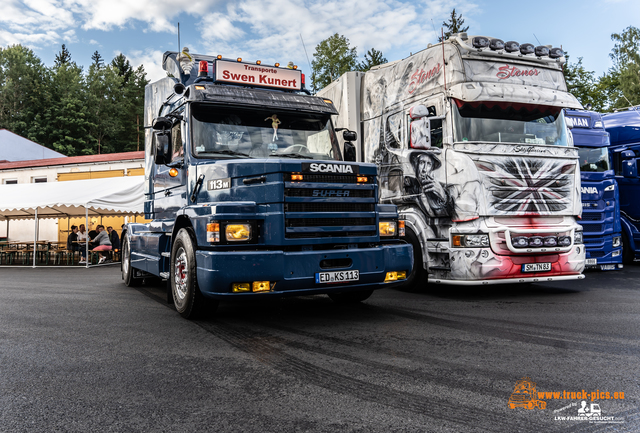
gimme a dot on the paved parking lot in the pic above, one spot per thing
(81, 352)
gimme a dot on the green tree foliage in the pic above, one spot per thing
(372, 58)
(332, 58)
(626, 67)
(23, 83)
(453, 26)
(584, 85)
(70, 111)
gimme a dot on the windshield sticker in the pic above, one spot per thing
(274, 124)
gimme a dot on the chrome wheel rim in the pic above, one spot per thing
(126, 258)
(180, 276)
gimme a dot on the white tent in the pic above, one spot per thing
(109, 196)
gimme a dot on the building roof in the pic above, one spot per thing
(67, 160)
(16, 148)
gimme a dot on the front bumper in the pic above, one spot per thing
(294, 273)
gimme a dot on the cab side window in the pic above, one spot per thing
(436, 132)
(177, 146)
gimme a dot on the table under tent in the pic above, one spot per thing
(121, 196)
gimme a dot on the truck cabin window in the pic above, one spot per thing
(594, 159)
(219, 132)
(501, 122)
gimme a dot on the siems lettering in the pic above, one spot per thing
(330, 193)
(507, 71)
(589, 190)
(330, 168)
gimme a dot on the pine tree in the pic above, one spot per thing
(372, 58)
(63, 57)
(453, 26)
(98, 61)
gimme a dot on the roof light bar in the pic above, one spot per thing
(511, 47)
(496, 44)
(555, 53)
(542, 51)
(527, 49)
(480, 42)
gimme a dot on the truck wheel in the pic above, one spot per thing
(184, 282)
(350, 297)
(418, 278)
(125, 266)
(628, 255)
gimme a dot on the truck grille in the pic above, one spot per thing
(310, 206)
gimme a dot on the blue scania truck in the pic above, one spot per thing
(600, 202)
(250, 195)
(624, 129)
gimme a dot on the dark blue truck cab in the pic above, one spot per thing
(249, 193)
(624, 129)
(600, 203)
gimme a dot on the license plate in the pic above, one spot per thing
(536, 267)
(608, 267)
(337, 277)
(591, 262)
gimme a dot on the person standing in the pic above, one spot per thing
(82, 240)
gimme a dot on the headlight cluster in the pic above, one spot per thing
(541, 242)
(233, 232)
(479, 240)
(616, 241)
(391, 228)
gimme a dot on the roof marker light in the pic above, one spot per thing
(556, 53)
(239, 59)
(527, 49)
(542, 51)
(496, 44)
(295, 66)
(219, 57)
(258, 62)
(277, 65)
(511, 47)
(203, 69)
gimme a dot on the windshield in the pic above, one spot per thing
(594, 159)
(499, 122)
(256, 133)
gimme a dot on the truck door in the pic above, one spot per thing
(169, 184)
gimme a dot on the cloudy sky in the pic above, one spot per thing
(273, 30)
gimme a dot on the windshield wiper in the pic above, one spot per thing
(291, 155)
(229, 152)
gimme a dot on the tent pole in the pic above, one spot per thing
(35, 239)
(86, 220)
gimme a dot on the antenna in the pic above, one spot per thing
(434, 29)
(305, 52)
(179, 49)
(534, 35)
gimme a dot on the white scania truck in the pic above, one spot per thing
(471, 143)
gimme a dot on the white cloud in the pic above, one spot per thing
(152, 61)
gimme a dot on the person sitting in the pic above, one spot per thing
(102, 243)
(72, 241)
(114, 238)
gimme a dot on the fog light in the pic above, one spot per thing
(238, 232)
(395, 276)
(362, 179)
(616, 241)
(616, 253)
(261, 286)
(296, 177)
(564, 241)
(240, 287)
(213, 232)
(550, 241)
(520, 242)
(535, 241)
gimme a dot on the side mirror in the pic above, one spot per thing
(162, 124)
(420, 133)
(349, 135)
(627, 154)
(349, 151)
(162, 148)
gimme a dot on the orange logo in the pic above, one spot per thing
(525, 395)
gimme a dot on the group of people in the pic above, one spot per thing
(99, 240)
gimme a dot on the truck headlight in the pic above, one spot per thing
(479, 240)
(388, 228)
(610, 187)
(238, 232)
(213, 232)
(616, 241)
(577, 237)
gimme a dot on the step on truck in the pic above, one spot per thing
(249, 194)
(624, 150)
(600, 202)
(470, 140)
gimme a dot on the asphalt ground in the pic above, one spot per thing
(81, 352)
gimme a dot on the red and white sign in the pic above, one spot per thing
(258, 75)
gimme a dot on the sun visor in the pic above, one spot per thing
(479, 91)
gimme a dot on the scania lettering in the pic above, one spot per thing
(624, 151)
(249, 194)
(470, 141)
(600, 203)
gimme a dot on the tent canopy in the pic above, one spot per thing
(110, 196)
